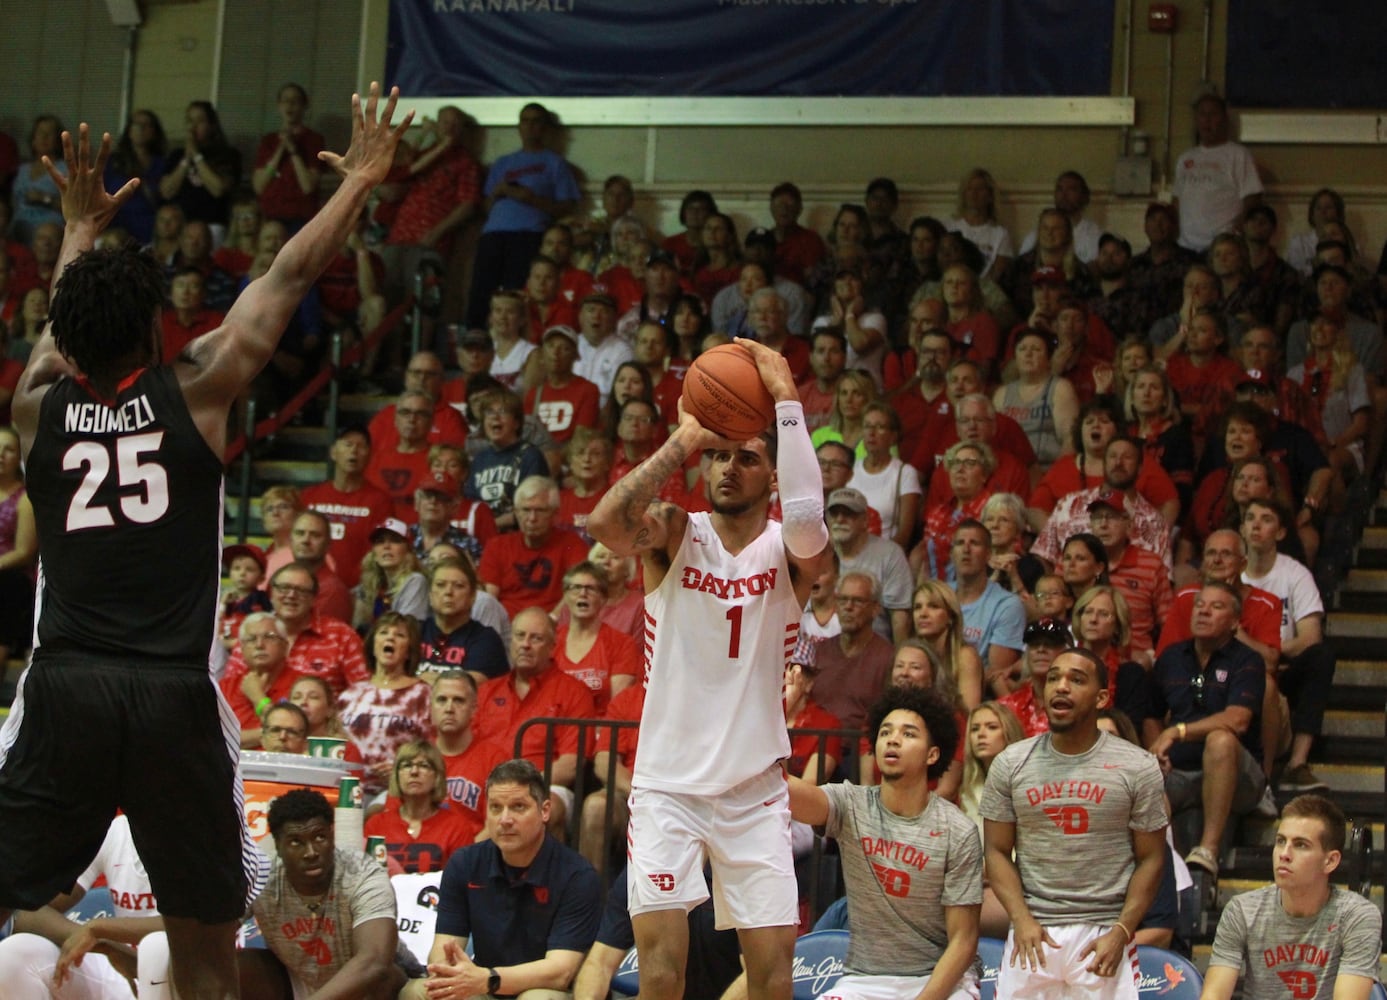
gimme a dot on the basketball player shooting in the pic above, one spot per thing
(724, 591)
(124, 459)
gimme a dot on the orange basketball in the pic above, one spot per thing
(724, 392)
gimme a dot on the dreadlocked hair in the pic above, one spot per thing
(104, 306)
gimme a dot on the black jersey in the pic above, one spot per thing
(127, 499)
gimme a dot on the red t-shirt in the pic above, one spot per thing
(467, 774)
(612, 654)
(178, 335)
(1011, 477)
(1261, 617)
(351, 519)
(574, 285)
(1211, 388)
(920, 416)
(803, 749)
(682, 250)
(667, 393)
(980, 339)
(621, 285)
(233, 261)
(398, 474)
(283, 198)
(447, 427)
(338, 289)
(795, 350)
(439, 836)
(530, 577)
(245, 711)
(625, 707)
(940, 435)
(561, 313)
(334, 597)
(1066, 477)
(564, 409)
(708, 281)
(553, 694)
(574, 510)
(817, 403)
(798, 252)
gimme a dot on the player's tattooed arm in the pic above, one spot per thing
(630, 519)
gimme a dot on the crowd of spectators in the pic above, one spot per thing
(1024, 445)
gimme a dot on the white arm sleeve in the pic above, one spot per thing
(801, 486)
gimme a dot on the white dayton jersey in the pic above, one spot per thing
(718, 632)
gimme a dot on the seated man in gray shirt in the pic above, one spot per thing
(911, 860)
(328, 916)
(1301, 937)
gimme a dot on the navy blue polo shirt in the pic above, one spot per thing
(513, 918)
(1235, 675)
(714, 958)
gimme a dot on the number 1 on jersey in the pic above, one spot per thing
(734, 641)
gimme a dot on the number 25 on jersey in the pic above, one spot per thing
(132, 469)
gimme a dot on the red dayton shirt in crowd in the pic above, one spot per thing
(351, 519)
(398, 474)
(553, 694)
(564, 409)
(467, 774)
(613, 654)
(526, 577)
(439, 836)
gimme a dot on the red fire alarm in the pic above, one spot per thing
(1160, 18)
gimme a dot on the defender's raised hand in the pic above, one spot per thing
(83, 191)
(372, 150)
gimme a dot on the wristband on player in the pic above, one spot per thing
(801, 484)
(263, 704)
(1123, 927)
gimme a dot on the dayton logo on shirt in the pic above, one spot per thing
(894, 881)
(1302, 985)
(1069, 818)
(754, 585)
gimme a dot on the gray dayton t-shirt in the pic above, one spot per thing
(314, 946)
(901, 872)
(1073, 816)
(1284, 956)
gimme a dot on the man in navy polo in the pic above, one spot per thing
(530, 904)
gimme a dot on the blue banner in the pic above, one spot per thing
(761, 48)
